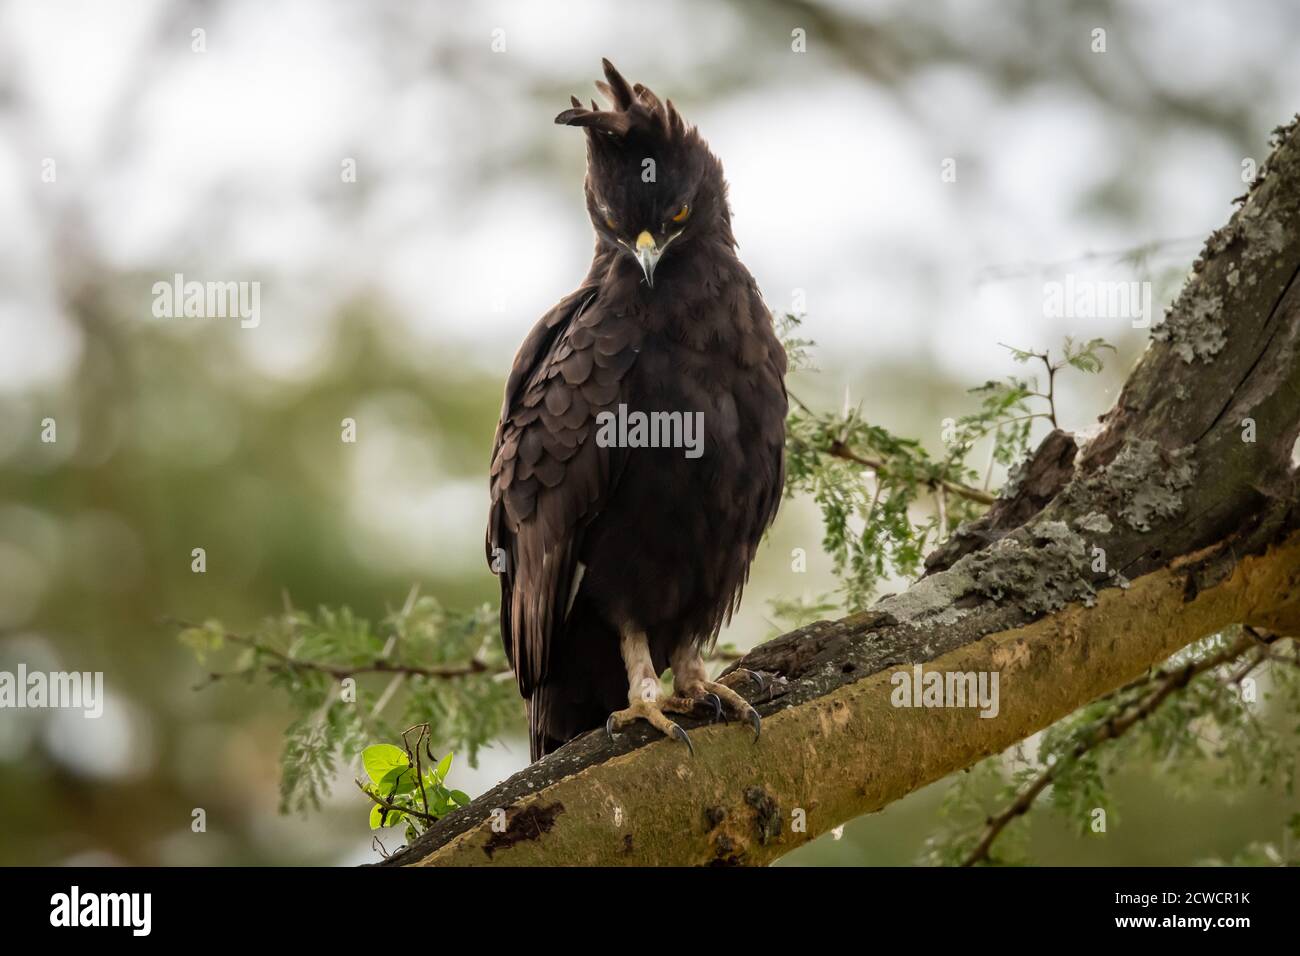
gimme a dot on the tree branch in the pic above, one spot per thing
(380, 666)
(342, 671)
(1170, 524)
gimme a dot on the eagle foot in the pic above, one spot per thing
(742, 675)
(696, 702)
(731, 705)
(652, 712)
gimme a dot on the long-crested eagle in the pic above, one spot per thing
(639, 456)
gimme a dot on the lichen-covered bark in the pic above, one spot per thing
(1196, 526)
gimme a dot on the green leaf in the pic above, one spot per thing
(379, 759)
(444, 765)
(1085, 357)
(205, 640)
(379, 817)
(1020, 355)
(398, 780)
(461, 797)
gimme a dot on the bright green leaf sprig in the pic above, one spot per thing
(403, 788)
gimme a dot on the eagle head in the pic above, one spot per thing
(652, 183)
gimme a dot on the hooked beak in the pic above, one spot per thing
(647, 254)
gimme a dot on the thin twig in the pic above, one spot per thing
(409, 811)
(993, 454)
(839, 449)
(443, 671)
(842, 451)
(474, 666)
(941, 499)
(413, 757)
(1051, 387)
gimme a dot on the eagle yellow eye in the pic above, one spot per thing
(609, 221)
(683, 214)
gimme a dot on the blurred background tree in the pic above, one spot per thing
(397, 300)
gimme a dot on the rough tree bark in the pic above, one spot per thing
(1188, 492)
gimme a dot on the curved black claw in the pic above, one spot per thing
(683, 736)
(760, 680)
(609, 727)
(756, 722)
(716, 701)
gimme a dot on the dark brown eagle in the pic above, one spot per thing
(639, 456)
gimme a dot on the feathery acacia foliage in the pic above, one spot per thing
(351, 684)
(885, 501)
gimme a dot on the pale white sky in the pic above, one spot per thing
(226, 163)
